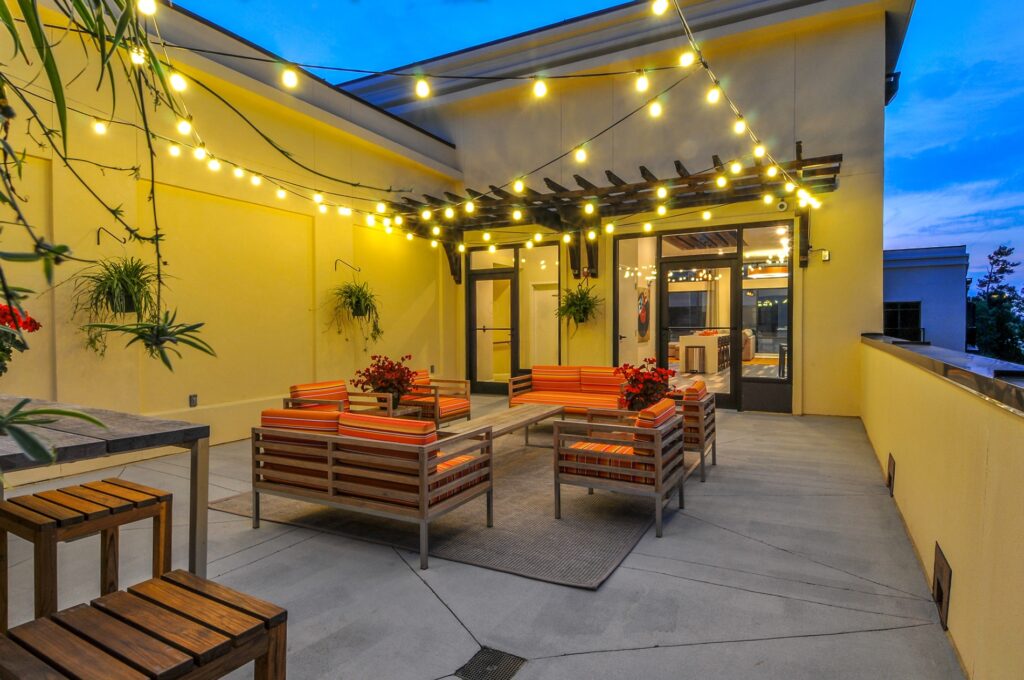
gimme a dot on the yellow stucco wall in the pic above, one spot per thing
(817, 80)
(959, 474)
(256, 269)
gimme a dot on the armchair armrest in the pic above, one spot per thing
(519, 384)
(291, 402)
(378, 403)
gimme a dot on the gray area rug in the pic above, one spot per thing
(582, 549)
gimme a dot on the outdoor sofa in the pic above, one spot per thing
(578, 388)
(376, 465)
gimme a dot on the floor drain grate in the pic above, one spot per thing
(490, 664)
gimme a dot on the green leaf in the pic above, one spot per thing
(30, 13)
(8, 20)
(33, 446)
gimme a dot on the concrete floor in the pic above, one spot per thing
(790, 562)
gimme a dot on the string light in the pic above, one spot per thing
(538, 237)
(449, 212)
(662, 210)
(740, 126)
(318, 198)
(178, 82)
(433, 244)
(721, 181)
(581, 155)
(99, 127)
(540, 88)
(422, 88)
(184, 126)
(517, 215)
(282, 194)
(781, 231)
(656, 109)
(773, 171)
(387, 221)
(214, 165)
(790, 187)
(436, 231)
(642, 82)
(462, 247)
(662, 192)
(199, 152)
(344, 211)
(706, 215)
(567, 238)
(492, 248)
(768, 199)
(387, 230)
(714, 95)
(648, 227)
(426, 215)
(487, 236)
(687, 58)
(760, 151)
(592, 235)
(238, 172)
(589, 208)
(409, 236)
(659, 7)
(399, 220)
(146, 7)
(137, 56)
(381, 207)
(255, 180)
(609, 228)
(290, 78)
(518, 186)
(323, 209)
(529, 245)
(371, 221)
(174, 150)
(736, 167)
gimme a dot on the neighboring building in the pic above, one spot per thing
(926, 295)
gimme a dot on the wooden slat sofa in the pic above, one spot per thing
(440, 400)
(578, 388)
(642, 455)
(376, 465)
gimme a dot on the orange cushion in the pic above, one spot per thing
(695, 392)
(334, 390)
(447, 405)
(656, 415)
(384, 429)
(556, 378)
(607, 448)
(574, 402)
(600, 379)
(300, 419)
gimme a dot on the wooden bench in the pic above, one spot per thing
(50, 517)
(176, 626)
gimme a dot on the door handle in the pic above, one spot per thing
(621, 338)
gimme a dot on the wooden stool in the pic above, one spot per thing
(50, 517)
(177, 626)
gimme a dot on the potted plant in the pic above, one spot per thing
(646, 384)
(579, 305)
(385, 375)
(12, 324)
(111, 289)
(356, 304)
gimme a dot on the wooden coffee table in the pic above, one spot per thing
(507, 422)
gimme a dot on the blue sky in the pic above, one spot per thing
(955, 133)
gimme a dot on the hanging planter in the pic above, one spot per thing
(356, 304)
(579, 305)
(110, 290)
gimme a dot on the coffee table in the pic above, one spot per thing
(507, 422)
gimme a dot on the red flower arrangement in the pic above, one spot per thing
(386, 375)
(10, 340)
(646, 384)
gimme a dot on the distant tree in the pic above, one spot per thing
(1000, 309)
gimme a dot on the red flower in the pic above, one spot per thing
(646, 384)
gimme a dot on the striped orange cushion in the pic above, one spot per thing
(600, 379)
(334, 390)
(657, 415)
(384, 429)
(300, 419)
(556, 378)
(448, 405)
(421, 377)
(618, 463)
(574, 402)
(695, 392)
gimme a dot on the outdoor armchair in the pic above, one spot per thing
(438, 399)
(333, 395)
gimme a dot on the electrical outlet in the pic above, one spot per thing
(826, 256)
(193, 400)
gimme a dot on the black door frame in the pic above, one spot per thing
(505, 274)
(734, 399)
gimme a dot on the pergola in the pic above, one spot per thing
(562, 209)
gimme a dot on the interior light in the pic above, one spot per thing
(422, 88)
(540, 88)
(290, 78)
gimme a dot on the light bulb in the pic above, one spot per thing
(147, 7)
(648, 227)
(538, 237)
(518, 186)
(803, 194)
(137, 55)
(199, 152)
(581, 155)
(642, 82)
(344, 211)
(662, 192)
(290, 78)
(318, 198)
(433, 244)
(736, 167)
(714, 95)
(399, 220)
(517, 215)
(706, 215)
(409, 236)
(815, 203)
(721, 181)
(387, 230)
(760, 151)
(768, 199)
(662, 210)
(589, 208)
(436, 231)
(462, 247)
(422, 88)
(740, 126)
(492, 248)
(174, 150)
(282, 194)
(659, 7)
(592, 235)
(567, 238)
(178, 82)
(470, 207)
(540, 88)
(184, 126)
(781, 231)
(687, 58)
(790, 187)
(381, 207)
(449, 212)
(656, 109)
(214, 165)
(529, 245)
(426, 215)
(387, 221)
(238, 172)
(323, 209)
(99, 127)
(371, 220)
(487, 236)
(609, 228)
(255, 180)
(773, 171)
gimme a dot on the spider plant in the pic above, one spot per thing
(111, 289)
(161, 336)
(356, 304)
(580, 305)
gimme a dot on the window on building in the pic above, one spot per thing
(903, 320)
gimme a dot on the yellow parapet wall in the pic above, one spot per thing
(959, 480)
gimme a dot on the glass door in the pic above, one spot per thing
(492, 355)
(700, 334)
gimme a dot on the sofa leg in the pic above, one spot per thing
(490, 508)
(255, 509)
(703, 475)
(682, 503)
(424, 543)
(714, 452)
(658, 513)
(558, 500)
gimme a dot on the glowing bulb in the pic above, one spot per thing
(662, 210)
(147, 7)
(255, 180)
(659, 7)
(687, 58)
(538, 237)
(138, 56)
(184, 126)
(409, 236)
(721, 181)
(567, 238)
(609, 228)
(487, 236)
(662, 192)
(282, 194)
(517, 215)
(238, 172)
(214, 165)
(773, 171)
(371, 220)
(344, 211)
(518, 186)
(790, 187)
(433, 244)
(318, 198)
(656, 109)
(199, 153)
(470, 207)
(426, 215)
(781, 231)
(714, 95)
(462, 247)
(706, 215)
(387, 230)
(449, 212)
(736, 168)
(581, 155)
(399, 220)
(323, 209)
(492, 248)
(592, 235)
(174, 150)
(642, 82)
(540, 88)
(290, 78)
(99, 127)
(178, 82)
(760, 151)
(589, 208)
(529, 245)
(815, 203)
(648, 227)
(422, 88)
(803, 194)
(768, 199)
(740, 126)
(381, 207)
(387, 221)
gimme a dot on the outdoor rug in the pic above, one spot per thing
(582, 549)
